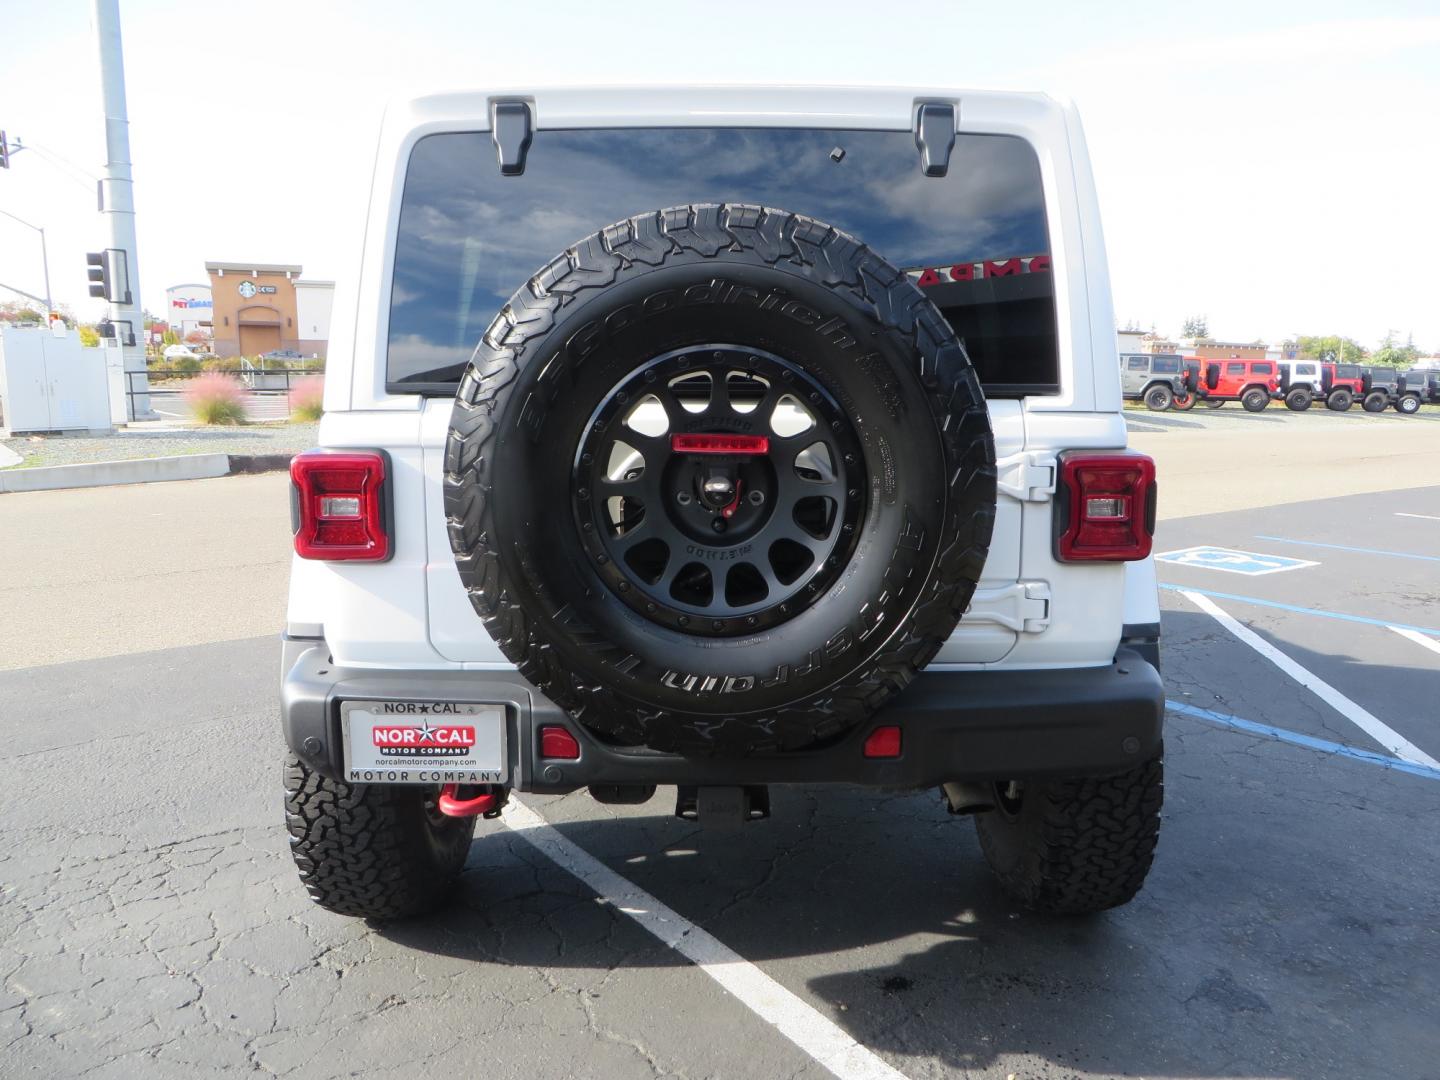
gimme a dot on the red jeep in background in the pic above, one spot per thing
(1250, 382)
(1338, 385)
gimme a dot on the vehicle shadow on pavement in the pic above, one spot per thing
(1284, 929)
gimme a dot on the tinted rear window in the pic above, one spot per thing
(975, 240)
(1264, 369)
(1166, 365)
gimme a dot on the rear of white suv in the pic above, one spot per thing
(466, 620)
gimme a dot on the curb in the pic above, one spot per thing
(140, 471)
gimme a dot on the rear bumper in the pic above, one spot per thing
(956, 725)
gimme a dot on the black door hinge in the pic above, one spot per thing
(512, 127)
(935, 136)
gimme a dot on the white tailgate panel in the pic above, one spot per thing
(981, 637)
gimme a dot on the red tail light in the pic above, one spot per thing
(556, 742)
(883, 742)
(339, 505)
(1106, 507)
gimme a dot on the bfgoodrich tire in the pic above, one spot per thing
(1299, 399)
(1375, 401)
(1340, 400)
(377, 851)
(1075, 846)
(555, 481)
(1409, 404)
(1254, 400)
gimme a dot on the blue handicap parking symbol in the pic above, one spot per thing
(1250, 563)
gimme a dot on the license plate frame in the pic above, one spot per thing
(424, 742)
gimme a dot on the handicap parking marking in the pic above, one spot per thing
(1249, 563)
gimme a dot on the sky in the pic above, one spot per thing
(1272, 166)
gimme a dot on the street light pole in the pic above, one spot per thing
(44, 258)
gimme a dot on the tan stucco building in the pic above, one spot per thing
(254, 309)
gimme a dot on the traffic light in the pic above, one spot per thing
(95, 271)
(109, 275)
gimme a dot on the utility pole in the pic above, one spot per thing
(117, 200)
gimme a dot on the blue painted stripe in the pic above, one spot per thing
(1294, 738)
(1342, 547)
(1318, 612)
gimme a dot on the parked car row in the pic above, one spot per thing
(1169, 381)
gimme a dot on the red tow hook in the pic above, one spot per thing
(487, 803)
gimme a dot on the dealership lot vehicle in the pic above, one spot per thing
(1418, 387)
(1250, 382)
(1303, 382)
(1161, 380)
(1292, 866)
(717, 486)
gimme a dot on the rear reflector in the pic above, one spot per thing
(720, 444)
(339, 505)
(883, 742)
(1106, 507)
(557, 742)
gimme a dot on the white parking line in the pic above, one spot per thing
(1386, 736)
(799, 1022)
(1417, 637)
(1422, 517)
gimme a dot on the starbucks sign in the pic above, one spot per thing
(249, 289)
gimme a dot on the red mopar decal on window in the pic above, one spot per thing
(424, 740)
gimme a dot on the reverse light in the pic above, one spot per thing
(557, 742)
(1105, 507)
(338, 505)
(883, 742)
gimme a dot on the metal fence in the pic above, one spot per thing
(267, 392)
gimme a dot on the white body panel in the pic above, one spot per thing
(1029, 610)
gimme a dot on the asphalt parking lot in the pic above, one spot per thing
(151, 923)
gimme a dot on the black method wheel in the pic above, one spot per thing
(1298, 400)
(1214, 403)
(1339, 401)
(726, 532)
(720, 479)
(377, 851)
(1409, 404)
(1375, 401)
(1159, 398)
(1074, 847)
(1254, 400)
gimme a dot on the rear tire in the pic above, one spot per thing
(1073, 847)
(1375, 401)
(1409, 404)
(1254, 400)
(1159, 398)
(1214, 403)
(376, 851)
(1339, 401)
(1184, 403)
(1298, 400)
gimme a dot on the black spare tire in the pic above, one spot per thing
(720, 479)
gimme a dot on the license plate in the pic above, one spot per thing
(424, 742)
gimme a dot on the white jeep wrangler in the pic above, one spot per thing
(722, 438)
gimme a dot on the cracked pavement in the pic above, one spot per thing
(151, 923)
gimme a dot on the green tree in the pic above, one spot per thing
(88, 337)
(1393, 354)
(1196, 326)
(1331, 348)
